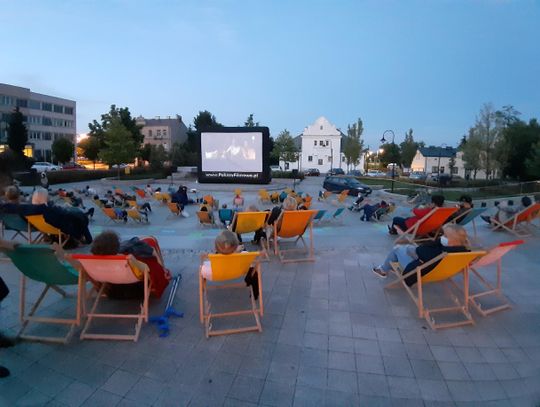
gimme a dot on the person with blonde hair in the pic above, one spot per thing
(453, 240)
(226, 243)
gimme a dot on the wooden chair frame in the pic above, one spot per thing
(469, 217)
(86, 276)
(416, 233)
(136, 216)
(37, 223)
(283, 233)
(256, 309)
(441, 272)
(241, 225)
(518, 224)
(494, 255)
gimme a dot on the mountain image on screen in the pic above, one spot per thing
(240, 152)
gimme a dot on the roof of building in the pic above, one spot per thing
(321, 127)
(432, 151)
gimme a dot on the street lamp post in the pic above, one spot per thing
(439, 165)
(383, 140)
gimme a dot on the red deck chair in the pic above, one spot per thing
(426, 228)
(518, 223)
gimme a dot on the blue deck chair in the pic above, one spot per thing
(470, 216)
(226, 216)
(320, 215)
(336, 215)
(15, 223)
(39, 263)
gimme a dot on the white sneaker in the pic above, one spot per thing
(379, 272)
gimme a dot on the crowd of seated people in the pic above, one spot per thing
(506, 210)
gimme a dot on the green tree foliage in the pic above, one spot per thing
(390, 154)
(408, 148)
(17, 134)
(205, 119)
(145, 152)
(250, 121)
(90, 148)
(284, 147)
(516, 148)
(352, 143)
(63, 150)
(119, 142)
(98, 130)
(533, 163)
(472, 149)
(487, 130)
(158, 156)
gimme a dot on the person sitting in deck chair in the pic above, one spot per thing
(505, 210)
(410, 256)
(5, 342)
(465, 204)
(437, 201)
(370, 210)
(289, 204)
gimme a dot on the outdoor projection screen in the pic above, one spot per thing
(235, 155)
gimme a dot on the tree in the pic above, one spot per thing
(205, 119)
(17, 134)
(533, 163)
(120, 146)
(487, 128)
(98, 130)
(284, 147)
(353, 145)
(62, 150)
(146, 151)
(250, 122)
(472, 148)
(408, 148)
(390, 154)
(158, 156)
(90, 149)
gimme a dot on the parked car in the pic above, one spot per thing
(418, 175)
(73, 166)
(336, 183)
(312, 171)
(274, 168)
(444, 178)
(336, 171)
(122, 165)
(43, 166)
(355, 173)
(375, 173)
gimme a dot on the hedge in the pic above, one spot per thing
(65, 176)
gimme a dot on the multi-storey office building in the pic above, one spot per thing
(47, 118)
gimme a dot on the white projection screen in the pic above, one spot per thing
(235, 155)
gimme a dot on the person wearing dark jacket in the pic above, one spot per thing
(437, 201)
(5, 342)
(409, 257)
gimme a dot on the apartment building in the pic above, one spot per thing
(163, 131)
(47, 118)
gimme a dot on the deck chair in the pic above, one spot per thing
(450, 264)
(493, 256)
(426, 228)
(15, 223)
(226, 216)
(43, 229)
(337, 215)
(470, 217)
(39, 263)
(115, 269)
(320, 215)
(209, 200)
(264, 196)
(111, 215)
(136, 216)
(205, 218)
(323, 196)
(518, 223)
(249, 222)
(98, 203)
(342, 196)
(174, 209)
(293, 224)
(225, 268)
(140, 193)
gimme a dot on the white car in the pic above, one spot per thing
(43, 166)
(375, 173)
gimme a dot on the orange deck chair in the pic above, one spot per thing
(450, 265)
(205, 218)
(293, 224)
(111, 215)
(493, 256)
(518, 224)
(249, 222)
(426, 228)
(264, 196)
(226, 268)
(141, 193)
(113, 269)
(43, 228)
(174, 209)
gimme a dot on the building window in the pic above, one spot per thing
(321, 127)
(46, 106)
(46, 121)
(314, 142)
(286, 166)
(58, 109)
(321, 142)
(320, 161)
(158, 133)
(149, 133)
(434, 169)
(22, 103)
(6, 100)
(329, 158)
(442, 170)
(343, 159)
(68, 110)
(46, 135)
(164, 132)
(454, 170)
(310, 158)
(327, 143)
(34, 104)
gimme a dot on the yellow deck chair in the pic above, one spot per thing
(264, 196)
(249, 222)
(111, 215)
(449, 265)
(98, 203)
(136, 216)
(205, 218)
(115, 269)
(293, 224)
(40, 264)
(132, 203)
(477, 299)
(43, 228)
(226, 268)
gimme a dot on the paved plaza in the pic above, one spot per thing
(332, 335)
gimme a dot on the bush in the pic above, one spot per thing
(287, 174)
(65, 176)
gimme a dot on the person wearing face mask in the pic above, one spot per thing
(409, 257)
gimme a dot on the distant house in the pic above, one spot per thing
(320, 147)
(433, 160)
(163, 131)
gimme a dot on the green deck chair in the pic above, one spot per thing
(39, 263)
(15, 223)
